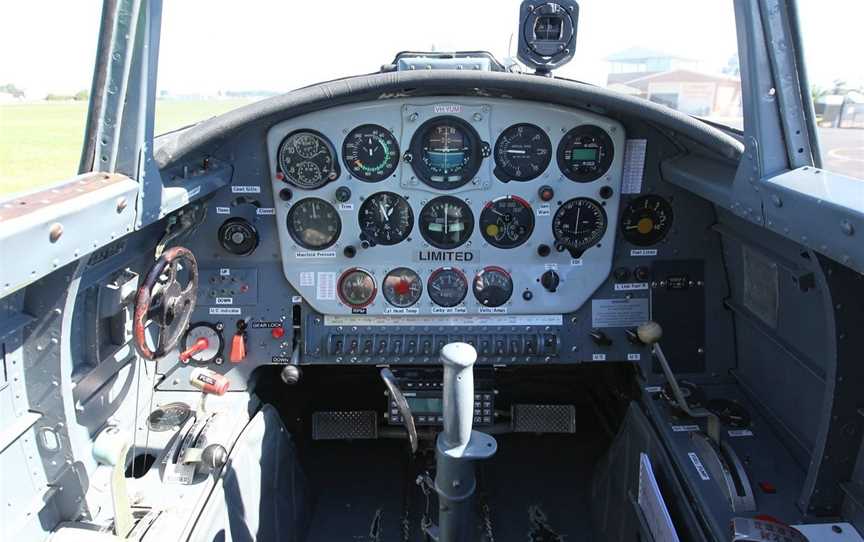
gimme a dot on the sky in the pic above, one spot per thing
(213, 45)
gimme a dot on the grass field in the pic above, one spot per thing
(40, 143)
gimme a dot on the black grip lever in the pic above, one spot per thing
(402, 404)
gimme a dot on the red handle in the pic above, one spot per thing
(200, 345)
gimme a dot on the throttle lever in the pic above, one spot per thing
(402, 404)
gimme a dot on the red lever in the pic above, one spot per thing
(238, 348)
(200, 345)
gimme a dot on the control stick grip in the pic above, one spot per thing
(458, 360)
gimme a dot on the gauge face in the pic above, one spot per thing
(386, 218)
(493, 286)
(215, 343)
(447, 286)
(402, 287)
(357, 288)
(167, 417)
(370, 152)
(522, 153)
(314, 224)
(585, 153)
(446, 152)
(646, 220)
(446, 222)
(578, 225)
(238, 236)
(507, 222)
(307, 160)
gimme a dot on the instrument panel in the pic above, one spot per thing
(456, 206)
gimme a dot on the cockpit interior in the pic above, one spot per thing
(440, 302)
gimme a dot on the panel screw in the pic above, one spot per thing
(775, 199)
(55, 232)
(847, 227)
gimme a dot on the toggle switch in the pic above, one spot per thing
(600, 338)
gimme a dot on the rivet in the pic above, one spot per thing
(775, 199)
(847, 228)
(55, 232)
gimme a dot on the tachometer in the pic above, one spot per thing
(522, 153)
(314, 224)
(402, 287)
(307, 160)
(646, 220)
(386, 218)
(370, 152)
(447, 286)
(357, 288)
(578, 225)
(493, 286)
(507, 222)
(446, 222)
(446, 152)
(585, 153)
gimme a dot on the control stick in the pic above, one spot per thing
(650, 333)
(458, 445)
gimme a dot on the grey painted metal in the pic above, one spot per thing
(52, 228)
(821, 210)
(790, 100)
(457, 446)
(797, 39)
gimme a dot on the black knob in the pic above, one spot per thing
(550, 280)
(285, 194)
(621, 274)
(527, 295)
(343, 194)
(600, 338)
(543, 250)
(642, 273)
(349, 251)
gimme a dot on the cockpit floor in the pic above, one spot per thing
(534, 490)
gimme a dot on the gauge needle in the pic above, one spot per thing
(383, 210)
(315, 211)
(578, 213)
(446, 225)
(515, 151)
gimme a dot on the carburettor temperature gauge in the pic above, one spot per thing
(507, 222)
(493, 286)
(402, 287)
(447, 286)
(357, 288)
(203, 344)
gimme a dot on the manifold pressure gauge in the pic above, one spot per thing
(203, 344)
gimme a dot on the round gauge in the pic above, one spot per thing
(446, 152)
(493, 286)
(585, 153)
(447, 286)
(386, 218)
(212, 352)
(307, 160)
(578, 225)
(238, 236)
(446, 222)
(646, 220)
(507, 222)
(370, 152)
(314, 224)
(168, 417)
(357, 288)
(522, 153)
(402, 287)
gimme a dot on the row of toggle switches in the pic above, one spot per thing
(530, 344)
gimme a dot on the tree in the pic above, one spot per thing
(82, 96)
(9, 88)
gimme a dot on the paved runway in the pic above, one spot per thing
(843, 150)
